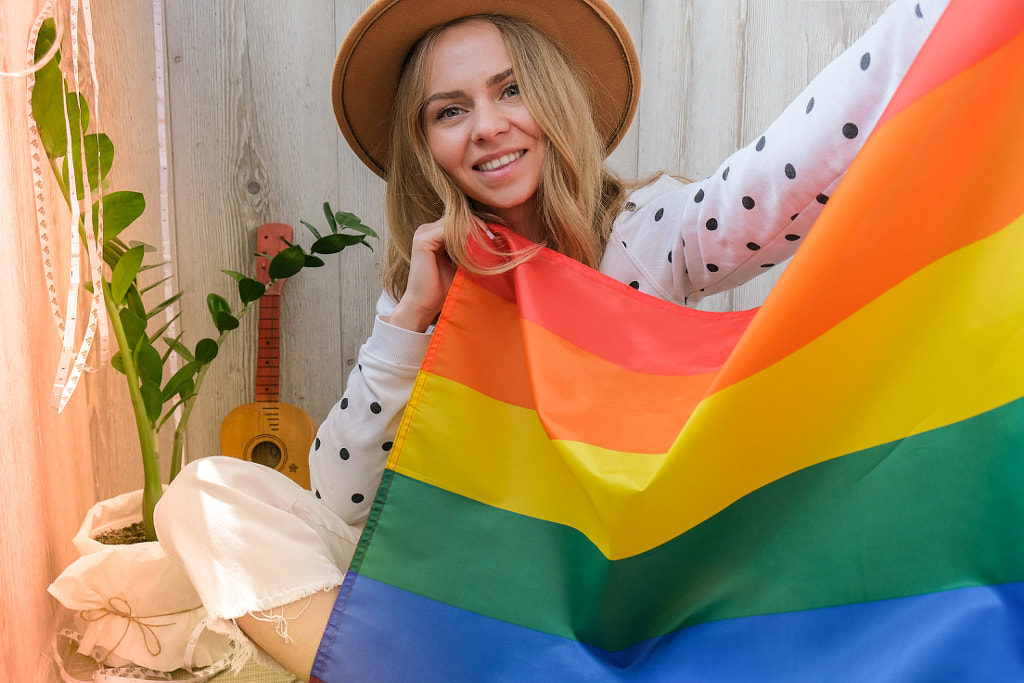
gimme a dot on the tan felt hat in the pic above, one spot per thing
(370, 61)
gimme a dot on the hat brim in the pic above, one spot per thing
(371, 57)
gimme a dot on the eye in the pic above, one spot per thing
(448, 112)
(511, 90)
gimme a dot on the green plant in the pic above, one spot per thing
(154, 397)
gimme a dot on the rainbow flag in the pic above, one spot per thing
(594, 485)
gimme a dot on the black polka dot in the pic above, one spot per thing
(343, 454)
(810, 105)
(317, 493)
(865, 61)
(760, 144)
(748, 203)
(699, 197)
(850, 131)
(712, 224)
(712, 268)
(375, 408)
(624, 244)
(316, 444)
(670, 254)
(360, 366)
(725, 173)
(344, 403)
(767, 265)
(634, 284)
(386, 446)
(658, 214)
(794, 217)
(790, 171)
(917, 11)
(822, 198)
(792, 238)
(357, 498)
(753, 246)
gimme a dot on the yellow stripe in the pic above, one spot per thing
(944, 345)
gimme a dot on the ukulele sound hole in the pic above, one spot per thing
(267, 453)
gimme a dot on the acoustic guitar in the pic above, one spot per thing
(269, 432)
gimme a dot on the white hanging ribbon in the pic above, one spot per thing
(71, 364)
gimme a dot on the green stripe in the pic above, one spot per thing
(929, 513)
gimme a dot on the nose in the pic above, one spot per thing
(489, 121)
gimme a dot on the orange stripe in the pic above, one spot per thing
(578, 396)
(865, 241)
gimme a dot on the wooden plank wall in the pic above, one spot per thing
(254, 140)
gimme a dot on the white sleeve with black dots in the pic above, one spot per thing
(684, 241)
(351, 446)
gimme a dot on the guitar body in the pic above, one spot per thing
(277, 435)
(268, 432)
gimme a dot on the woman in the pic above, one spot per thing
(502, 119)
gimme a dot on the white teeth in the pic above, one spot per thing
(502, 161)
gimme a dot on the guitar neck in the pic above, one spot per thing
(268, 350)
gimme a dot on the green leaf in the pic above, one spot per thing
(159, 333)
(178, 379)
(287, 263)
(48, 101)
(332, 244)
(124, 273)
(313, 261)
(117, 363)
(152, 400)
(154, 285)
(250, 290)
(148, 248)
(99, 156)
(217, 304)
(330, 217)
(311, 229)
(168, 413)
(235, 275)
(133, 300)
(206, 350)
(45, 38)
(151, 367)
(134, 327)
(120, 209)
(353, 222)
(225, 322)
(180, 348)
(164, 304)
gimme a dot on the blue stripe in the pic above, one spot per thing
(381, 633)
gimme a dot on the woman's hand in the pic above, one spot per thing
(430, 275)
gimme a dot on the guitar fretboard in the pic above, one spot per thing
(268, 350)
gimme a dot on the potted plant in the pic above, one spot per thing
(143, 354)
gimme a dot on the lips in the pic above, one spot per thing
(504, 160)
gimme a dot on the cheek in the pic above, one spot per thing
(444, 148)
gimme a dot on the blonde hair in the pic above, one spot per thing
(578, 196)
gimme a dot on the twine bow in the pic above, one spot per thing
(148, 630)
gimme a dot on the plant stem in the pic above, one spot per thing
(186, 406)
(153, 487)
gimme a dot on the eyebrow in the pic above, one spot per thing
(455, 94)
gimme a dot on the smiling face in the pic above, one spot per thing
(477, 126)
